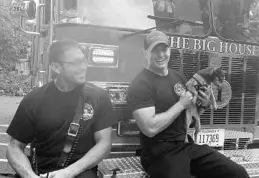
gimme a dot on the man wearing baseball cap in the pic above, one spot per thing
(158, 100)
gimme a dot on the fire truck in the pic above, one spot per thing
(202, 33)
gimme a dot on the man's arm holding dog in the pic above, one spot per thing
(151, 123)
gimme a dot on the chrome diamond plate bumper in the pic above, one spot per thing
(130, 167)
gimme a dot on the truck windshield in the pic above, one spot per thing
(192, 16)
(113, 13)
(237, 19)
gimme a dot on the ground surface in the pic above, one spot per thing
(8, 106)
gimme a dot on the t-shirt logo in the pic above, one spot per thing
(88, 111)
(179, 89)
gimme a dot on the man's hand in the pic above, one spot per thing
(62, 173)
(186, 99)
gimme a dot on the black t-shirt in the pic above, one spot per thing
(44, 115)
(162, 92)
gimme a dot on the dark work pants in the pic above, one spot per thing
(181, 160)
(88, 174)
(92, 173)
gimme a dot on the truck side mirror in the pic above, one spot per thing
(26, 10)
(31, 10)
(23, 8)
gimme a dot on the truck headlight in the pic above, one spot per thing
(103, 56)
(118, 96)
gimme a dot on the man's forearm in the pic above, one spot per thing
(163, 120)
(19, 162)
(90, 159)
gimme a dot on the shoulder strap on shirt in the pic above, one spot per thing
(74, 131)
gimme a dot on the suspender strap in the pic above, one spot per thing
(73, 133)
(199, 79)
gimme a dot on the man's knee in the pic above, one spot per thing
(241, 172)
(89, 174)
(238, 171)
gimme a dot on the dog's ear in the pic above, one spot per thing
(222, 70)
(215, 71)
(219, 72)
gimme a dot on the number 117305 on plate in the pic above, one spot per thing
(211, 137)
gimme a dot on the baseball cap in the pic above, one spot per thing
(153, 38)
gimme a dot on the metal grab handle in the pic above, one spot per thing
(37, 33)
(26, 31)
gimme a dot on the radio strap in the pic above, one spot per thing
(73, 134)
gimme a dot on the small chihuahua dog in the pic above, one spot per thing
(201, 81)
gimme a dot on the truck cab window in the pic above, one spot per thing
(192, 16)
(113, 13)
(70, 7)
(70, 4)
(237, 19)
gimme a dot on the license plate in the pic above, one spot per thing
(211, 137)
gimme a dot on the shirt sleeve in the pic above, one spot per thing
(139, 96)
(106, 116)
(21, 127)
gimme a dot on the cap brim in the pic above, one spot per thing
(149, 49)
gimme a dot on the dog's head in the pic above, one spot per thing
(215, 75)
(218, 76)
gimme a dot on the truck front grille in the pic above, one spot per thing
(240, 73)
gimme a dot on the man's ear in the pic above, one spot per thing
(55, 67)
(147, 54)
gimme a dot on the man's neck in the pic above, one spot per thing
(163, 72)
(63, 86)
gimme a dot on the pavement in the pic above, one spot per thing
(8, 106)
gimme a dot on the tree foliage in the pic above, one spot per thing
(13, 46)
(13, 41)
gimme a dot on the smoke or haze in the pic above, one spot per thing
(118, 13)
(187, 10)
